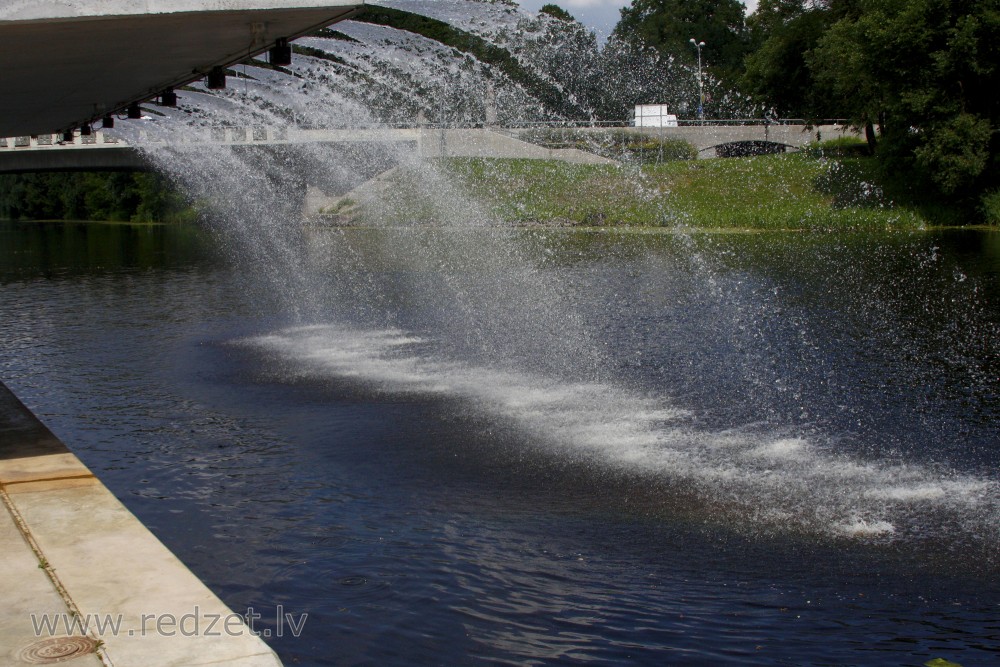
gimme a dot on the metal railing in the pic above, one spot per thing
(54, 141)
(242, 135)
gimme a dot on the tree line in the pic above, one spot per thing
(112, 196)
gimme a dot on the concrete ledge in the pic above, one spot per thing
(489, 143)
(69, 62)
(72, 549)
(48, 10)
(27, 590)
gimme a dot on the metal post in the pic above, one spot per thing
(701, 85)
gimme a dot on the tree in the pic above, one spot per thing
(849, 72)
(668, 25)
(555, 11)
(566, 53)
(783, 31)
(926, 72)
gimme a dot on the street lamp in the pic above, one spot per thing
(701, 87)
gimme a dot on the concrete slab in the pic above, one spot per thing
(115, 571)
(106, 576)
(29, 596)
(68, 62)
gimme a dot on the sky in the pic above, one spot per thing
(600, 15)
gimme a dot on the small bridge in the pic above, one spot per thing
(102, 151)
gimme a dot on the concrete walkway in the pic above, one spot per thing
(84, 582)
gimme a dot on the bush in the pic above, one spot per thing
(990, 207)
(956, 152)
(107, 196)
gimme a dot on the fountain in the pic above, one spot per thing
(717, 388)
(497, 328)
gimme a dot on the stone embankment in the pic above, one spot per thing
(84, 582)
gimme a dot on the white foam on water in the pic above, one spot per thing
(789, 480)
(864, 528)
(939, 490)
(786, 448)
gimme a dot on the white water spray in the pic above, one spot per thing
(490, 329)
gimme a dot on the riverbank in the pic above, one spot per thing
(792, 191)
(85, 581)
(799, 191)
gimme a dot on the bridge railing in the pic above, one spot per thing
(55, 141)
(681, 122)
(98, 138)
(278, 134)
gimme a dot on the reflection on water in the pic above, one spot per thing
(683, 494)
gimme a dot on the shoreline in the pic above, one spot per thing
(541, 226)
(86, 580)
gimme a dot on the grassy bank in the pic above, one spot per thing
(794, 191)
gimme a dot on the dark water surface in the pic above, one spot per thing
(772, 449)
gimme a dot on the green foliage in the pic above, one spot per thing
(990, 207)
(839, 147)
(919, 70)
(555, 11)
(956, 152)
(107, 196)
(668, 25)
(919, 75)
(776, 71)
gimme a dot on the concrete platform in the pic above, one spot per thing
(85, 583)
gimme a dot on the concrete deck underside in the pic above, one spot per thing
(61, 70)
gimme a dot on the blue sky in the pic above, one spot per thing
(601, 15)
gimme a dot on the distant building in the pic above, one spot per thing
(653, 115)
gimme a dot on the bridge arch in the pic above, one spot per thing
(748, 147)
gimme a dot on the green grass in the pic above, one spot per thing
(767, 192)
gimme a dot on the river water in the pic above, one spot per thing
(691, 449)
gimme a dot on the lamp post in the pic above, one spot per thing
(701, 87)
